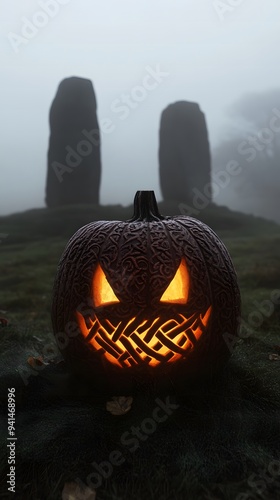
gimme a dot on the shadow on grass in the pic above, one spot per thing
(219, 438)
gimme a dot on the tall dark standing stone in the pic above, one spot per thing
(74, 164)
(184, 154)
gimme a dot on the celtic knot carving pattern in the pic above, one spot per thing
(150, 341)
(139, 259)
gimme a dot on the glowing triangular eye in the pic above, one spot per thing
(178, 290)
(102, 291)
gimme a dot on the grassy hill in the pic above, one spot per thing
(222, 441)
(42, 223)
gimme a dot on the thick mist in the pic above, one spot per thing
(254, 147)
(141, 57)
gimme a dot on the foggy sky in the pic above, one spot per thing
(208, 54)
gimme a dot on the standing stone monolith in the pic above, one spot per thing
(74, 163)
(184, 154)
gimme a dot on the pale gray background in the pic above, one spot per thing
(209, 60)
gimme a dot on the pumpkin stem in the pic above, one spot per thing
(145, 207)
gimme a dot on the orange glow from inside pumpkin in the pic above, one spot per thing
(177, 291)
(151, 342)
(103, 293)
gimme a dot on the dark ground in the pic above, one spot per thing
(223, 440)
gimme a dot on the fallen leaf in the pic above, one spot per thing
(119, 405)
(72, 491)
(36, 362)
(277, 348)
(3, 322)
(274, 357)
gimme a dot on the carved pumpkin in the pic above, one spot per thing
(146, 298)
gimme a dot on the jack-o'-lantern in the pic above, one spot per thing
(148, 298)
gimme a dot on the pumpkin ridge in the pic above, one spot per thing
(202, 254)
(164, 223)
(222, 251)
(131, 341)
(149, 254)
(122, 225)
(173, 253)
(88, 233)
